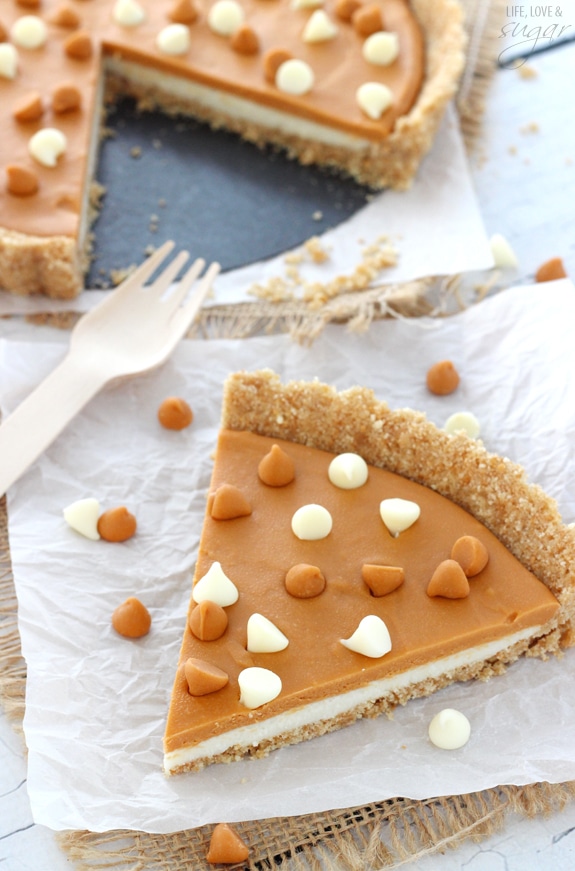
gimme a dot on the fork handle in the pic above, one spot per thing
(42, 416)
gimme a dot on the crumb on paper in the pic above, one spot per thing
(512, 150)
(136, 151)
(527, 72)
(375, 257)
(117, 276)
(531, 127)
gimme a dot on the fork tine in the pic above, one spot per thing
(181, 291)
(145, 270)
(184, 316)
(167, 276)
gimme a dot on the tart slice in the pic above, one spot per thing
(353, 558)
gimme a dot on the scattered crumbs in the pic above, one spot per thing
(136, 151)
(375, 257)
(149, 250)
(317, 216)
(569, 161)
(316, 250)
(532, 127)
(153, 225)
(119, 275)
(527, 72)
(162, 203)
(512, 149)
(157, 144)
(527, 162)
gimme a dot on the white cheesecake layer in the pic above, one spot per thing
(335, 706)
(231, 105)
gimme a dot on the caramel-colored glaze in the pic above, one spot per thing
(175, 413)
(442, 378)
(382, 580)
(551, 270)
(203, 677)
(226, 846)
(117, 524)
(448, 580)
(132, 619)
(227, 503)
(471, 554)
(74, 53)
(257, 551)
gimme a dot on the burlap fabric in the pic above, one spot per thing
(381, 835)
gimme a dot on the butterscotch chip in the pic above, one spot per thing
(29, 108)
(345, 9)
(203, 677)
(226, 846)
(208, 621)
(551, 270)
(382, 580)
(227, 503)
(304, 581)
(79, 46)
(21, 181)
(175, 413)
(367, 19)
(449, 581)
(272, 61)
(471, 554)
(65, 16)
(66, 98)
(132, 619)
(3, 33)
(245, 40)
(29, 4)
(276, 469)
(117, 524)
(442, 378)
(183, 12)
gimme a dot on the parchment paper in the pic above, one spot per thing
(436, 228)
(96, 703)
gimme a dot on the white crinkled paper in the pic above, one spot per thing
(96, 703)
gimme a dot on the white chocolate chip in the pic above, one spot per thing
(128, 13)
(82, 516)
(348, 471)
(215, 586)
(258, 686)
(319, 28)
(381, 48)
(264, 636)
(8, 61)
(449, 730)
(463, 421)
(294, 77)
(173, 39)
(225, 17)
(398, 514)
(374, 98)
(503, 254)
(371, 638)
(311, 522)
(47, 145)
(306, 4)
(29, 31)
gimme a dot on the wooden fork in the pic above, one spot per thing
(132, 331)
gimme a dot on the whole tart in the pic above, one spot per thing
(355, 85)
(297, 628)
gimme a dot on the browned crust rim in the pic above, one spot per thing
(492, 488)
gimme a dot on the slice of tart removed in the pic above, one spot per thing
(353, 558)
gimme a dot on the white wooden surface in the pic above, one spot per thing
(524, 171)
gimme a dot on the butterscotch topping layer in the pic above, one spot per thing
(344, 636)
